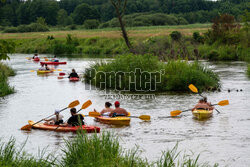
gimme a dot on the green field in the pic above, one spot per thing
(139, 32)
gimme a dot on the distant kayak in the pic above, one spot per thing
(44, 72)
(53, 63)
(36, 59)
(74, 79)
(202, 114)
(42, 126)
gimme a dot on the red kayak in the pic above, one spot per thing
(53, 63)
(74, 79)
(36, 59)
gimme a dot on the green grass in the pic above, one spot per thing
(5, 72)
(92, 151)
(176, 76)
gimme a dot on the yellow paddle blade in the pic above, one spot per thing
(73, 104)
(223, 103)
(94, 114)
(32, 70)
(193, 88)
(26, 127)
(86, 104)
(59, 69)
(145, 117)
(175, 113)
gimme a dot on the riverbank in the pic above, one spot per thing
(95, 150)
(5, 72)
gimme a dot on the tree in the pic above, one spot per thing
(6, 47)
(91, 24)
(84, 12)
(120, 6)
(62, 17)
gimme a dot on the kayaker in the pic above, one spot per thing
(106, 111)
(208, 103)
(56, 120)
(55, 59)
(73, 74)
(75, 119)
(202, 105)
(118, 111)
(42, 68)
(35, 56)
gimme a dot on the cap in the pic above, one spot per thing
(57, 111)
(117, 103)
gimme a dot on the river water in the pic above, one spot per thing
(223, 139)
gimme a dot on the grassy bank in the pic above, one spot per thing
(93, 151)
(248, 70)
(5, 72)
(143, 73)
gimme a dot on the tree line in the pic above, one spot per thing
(68, 12)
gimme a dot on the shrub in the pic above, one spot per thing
(176, 36)
(91, 24)
(197, 37)
(213, 55)
(178, 74)
(5, 72)
(72, 27)
(36, 27)
(24, 28)
(10, 30)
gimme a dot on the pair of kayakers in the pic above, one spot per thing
(74, 120)
(118, 111)
(203, 104)
(44, 67)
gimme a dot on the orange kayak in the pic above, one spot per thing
(42, 126)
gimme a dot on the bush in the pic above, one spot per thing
(72, 27)
(176, 36)
(213, 55)
(91, 24)
(24, 28)
(10, 30)
(5, 72)
(178, 74)
(36, 27)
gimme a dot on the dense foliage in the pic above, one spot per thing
(154, 75)
(5, 72)
(67, 12)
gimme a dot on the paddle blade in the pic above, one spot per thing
(193, 88)
(94, 114)
(223, 103)
(86, 104)
(73, 104)
(32, 70)
(26, 127)
(59, 69)
(145, 117)
(60, 77)
(175, 113)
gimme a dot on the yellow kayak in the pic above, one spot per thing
(113, 120)
(202, 114)
(44, 72)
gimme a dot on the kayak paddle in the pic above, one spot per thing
(142, 117)
(71, 105)
(178, 112)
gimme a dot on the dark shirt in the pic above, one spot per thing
(73, 75)
(76, 120)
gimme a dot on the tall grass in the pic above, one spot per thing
(170, 76)
(5, 72)
(248, 70)
(92, 151)
(11, 156)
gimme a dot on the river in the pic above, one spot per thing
(223, 139)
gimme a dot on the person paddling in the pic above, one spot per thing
(202, 105)
(118, 111)
(35, 56)
(56, 120)
(55, 59)
(106, 111)
(73, 74)
(75, 119)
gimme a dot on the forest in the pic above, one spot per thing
(99, 13)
